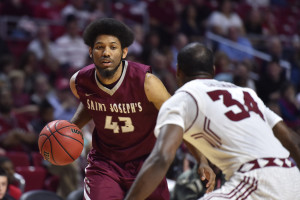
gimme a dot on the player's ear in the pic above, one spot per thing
(125, 51)
(90, 52)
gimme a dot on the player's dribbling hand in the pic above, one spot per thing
(207, 173)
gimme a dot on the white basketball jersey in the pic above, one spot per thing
(230, 125)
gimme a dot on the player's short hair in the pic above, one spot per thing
(108, 26)
(195, 58)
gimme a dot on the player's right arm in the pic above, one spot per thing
(81, 116)
(289, 139)
(155, 90)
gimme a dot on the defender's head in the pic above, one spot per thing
(108, 26)
(194, 61)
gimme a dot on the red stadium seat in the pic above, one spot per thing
(34, 177)
(18, 158)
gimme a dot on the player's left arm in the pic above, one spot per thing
(157, 164)
(204, 169)
(155, 90)
(289, 139)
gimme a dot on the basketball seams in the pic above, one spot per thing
(51, 142)
(59, 141)
(52, 152)
(73, 133)
(57, 130)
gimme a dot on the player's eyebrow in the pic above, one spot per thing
(103, 43)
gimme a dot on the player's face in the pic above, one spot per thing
(3, 186)
(107, 55)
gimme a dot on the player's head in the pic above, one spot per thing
(108, 40)
(108, 26)
(3, 183)
(194, 61)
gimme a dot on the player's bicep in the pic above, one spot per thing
(180, 110)
(73, 85)
(155, 90)
(271, 117)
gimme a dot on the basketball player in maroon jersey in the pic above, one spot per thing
(123, 99)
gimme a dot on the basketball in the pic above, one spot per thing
(60, 142)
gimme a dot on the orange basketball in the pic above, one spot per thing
(60, 142)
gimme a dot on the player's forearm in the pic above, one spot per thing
(289, 139)
(151, 174)
(294, 148)
(196, 153)
(81, 116)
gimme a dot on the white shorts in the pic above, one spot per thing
(276, 183)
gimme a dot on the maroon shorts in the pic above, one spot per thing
(107, 180)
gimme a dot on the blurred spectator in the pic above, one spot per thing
(220, 20)
(17, 82)
(179, 41)
(4, 50)
(12, 189)
(41, 89)
(51, 10)
(269, 22)
(78, 9)
(237, 55)
(224, 67)
(295, 73)
(275, 48)
(30, 67)
(97, 9)
(160, 69)
(163, 18)
(16, 8)
(136, 49)
(203, 10)
(16, 133)
(258, 3)
(242, 75)
(270, 81)
(71, 50)
(42, 45)
(4, 186)
(254, 22)
(7, 64)
(289, 107)
(21, 99)
(152, 43)
(189, 23)
(62, 100)
(46, 113)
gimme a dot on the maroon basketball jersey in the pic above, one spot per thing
(124, 118)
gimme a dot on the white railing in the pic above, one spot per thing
(264, 56)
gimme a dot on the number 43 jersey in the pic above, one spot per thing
(230, 125)
(124, 118)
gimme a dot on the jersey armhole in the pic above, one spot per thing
(197, 109)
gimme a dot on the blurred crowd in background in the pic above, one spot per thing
(256, 44)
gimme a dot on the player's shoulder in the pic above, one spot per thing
(138, 66)
(88, 68)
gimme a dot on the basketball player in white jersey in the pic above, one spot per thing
(232, 127)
